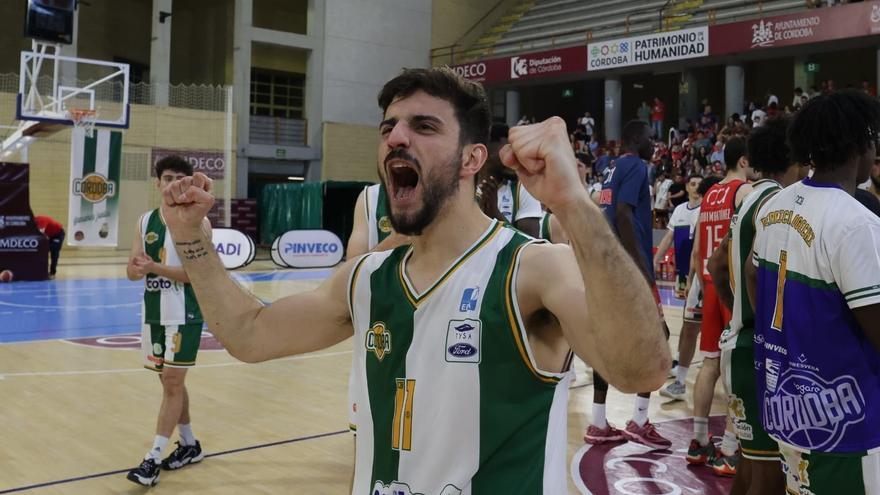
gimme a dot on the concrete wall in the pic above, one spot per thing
(366, 44)
(289, 16)
(201, 41)
(450, 19)
(350, 152)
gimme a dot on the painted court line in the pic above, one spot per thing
(215, 454)
(139, 369)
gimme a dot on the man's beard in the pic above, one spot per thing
(876, 181)
(437, 187)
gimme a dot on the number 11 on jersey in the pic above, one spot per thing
(401, 428)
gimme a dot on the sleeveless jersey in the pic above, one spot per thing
(166, 302)
(683, 224)
(816, 252)
(515, 203)
(742, 233)
(715, 213)
(450, 400)
(376, 210)
(544, 231)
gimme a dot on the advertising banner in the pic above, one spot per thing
(810, 26)
(529, 66)
(209, 162)
(24, 251)
(307, 249)
(235, 249)
(93, 218)
(648, 49)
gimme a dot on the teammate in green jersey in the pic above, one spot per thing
(171, 331)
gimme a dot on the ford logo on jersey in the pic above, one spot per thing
(467, 327)
(462, 350)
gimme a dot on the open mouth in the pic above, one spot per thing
(403, 178)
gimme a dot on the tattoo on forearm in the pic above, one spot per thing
(192, 250)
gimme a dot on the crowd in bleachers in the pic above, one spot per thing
(694, 148)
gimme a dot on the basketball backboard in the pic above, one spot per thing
(55, 89)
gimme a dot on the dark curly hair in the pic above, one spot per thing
(467, 98)
(768, 151)
(830, 130)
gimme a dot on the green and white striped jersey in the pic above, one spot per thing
(166, 302)
(378, 217)
(742, 234)
(450, 400)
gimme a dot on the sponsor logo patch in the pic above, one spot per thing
(94, 188)
(463, 338)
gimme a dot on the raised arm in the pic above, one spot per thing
(634, 354)
(249, 330)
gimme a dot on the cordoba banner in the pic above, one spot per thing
(94, 188)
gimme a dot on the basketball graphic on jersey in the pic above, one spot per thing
(385, 225)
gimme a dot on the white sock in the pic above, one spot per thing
(681, 374)
(729, 444)
(640, 412)
(159, 444)
(186, 434)
(701, 430)
(599, 420)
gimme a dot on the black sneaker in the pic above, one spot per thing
(146, 474)
(183, 455)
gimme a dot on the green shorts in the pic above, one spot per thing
(738, 370)
(826, 473)
(174, 346)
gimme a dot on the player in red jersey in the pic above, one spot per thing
(716, 211)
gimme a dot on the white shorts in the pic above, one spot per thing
(693, 306)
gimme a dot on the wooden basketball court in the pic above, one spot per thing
(76, 416)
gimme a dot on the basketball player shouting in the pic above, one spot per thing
(470, 323)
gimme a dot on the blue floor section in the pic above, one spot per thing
(68, 309)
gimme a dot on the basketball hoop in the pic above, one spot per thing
(83, 118)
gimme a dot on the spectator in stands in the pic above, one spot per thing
(53, 231)
(658, 114)
(702, 141)
(702, 156)
(717, 152)
(771, 99)
(708, 122)
(524, 120)
(718, 170)
(868, 89)
(661, 199)
(758, 116)
(796, 101)
(607, 158)
(589, 124)
(677, 192)
(772, 110)
(594, 144)
(644, 112)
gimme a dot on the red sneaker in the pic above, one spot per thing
(596, 435)
(645, 435)
(700, 454)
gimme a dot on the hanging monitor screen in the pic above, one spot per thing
(50, 20)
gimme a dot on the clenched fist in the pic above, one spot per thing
(186, 202)
(542, 158)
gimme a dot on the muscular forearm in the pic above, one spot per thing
(229, 310)
(631, 341)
